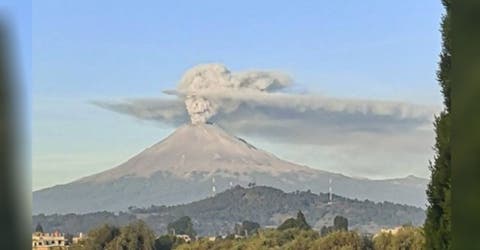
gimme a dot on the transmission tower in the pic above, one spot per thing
(330, 200)
(214, 189)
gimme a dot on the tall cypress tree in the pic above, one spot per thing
(438, 222)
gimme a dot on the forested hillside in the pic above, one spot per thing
(265, 205)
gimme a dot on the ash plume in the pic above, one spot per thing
(259, 103)
(202, 84)
(199, 108)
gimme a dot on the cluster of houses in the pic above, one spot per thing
(55, 240)
(58, 240)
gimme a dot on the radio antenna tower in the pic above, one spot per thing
(214, 189)
(330, 191)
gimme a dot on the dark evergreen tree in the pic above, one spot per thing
(325, 230)
(289, 223)
(301, 221)
(438, 222)
(165, 242)
(100, 237)
(39, 228)
(183, 225)
(340, 223)
(136, 235)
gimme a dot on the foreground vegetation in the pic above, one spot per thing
(438, 223)
(294, 233)
(294, 238)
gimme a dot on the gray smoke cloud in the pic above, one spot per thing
(257, 103)
(204, 85)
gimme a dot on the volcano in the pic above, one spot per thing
(201, 148)
(196, 161)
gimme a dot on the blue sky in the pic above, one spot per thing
(17, 16)
(91, 50)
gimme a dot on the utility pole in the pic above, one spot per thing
(330, 191)
(214, 189)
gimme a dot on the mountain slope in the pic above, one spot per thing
(265, 205)
(200, 148)
(181, 168)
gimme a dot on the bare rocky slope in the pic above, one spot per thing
(181, 168)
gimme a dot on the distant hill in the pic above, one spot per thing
(181, 168)
(265, 205)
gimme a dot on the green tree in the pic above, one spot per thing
(165, 242)
(406, 238)
(340, 223)
(300, 222)
(438, 223)
(134, 236)
(409, 238)
(383, 241)
(340, 240)
(99, 238)
(183, 225)
(325, 230)
(289, 223)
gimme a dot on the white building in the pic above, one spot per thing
(45, 241)
(184, 237)
(78, 238)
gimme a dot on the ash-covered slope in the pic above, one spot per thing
(199, 148)
(182, 167)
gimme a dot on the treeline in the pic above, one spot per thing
(77, 223)
(136, 235)
(293, 233)
(294, 238)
